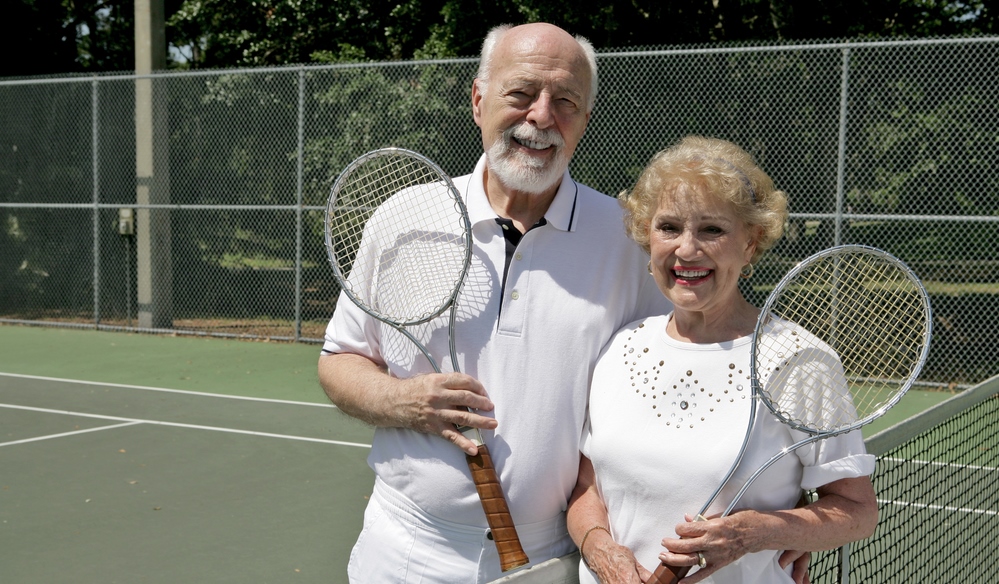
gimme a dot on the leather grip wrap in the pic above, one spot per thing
(668, 574)
(504, 533)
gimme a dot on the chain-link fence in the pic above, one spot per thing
(193, 202)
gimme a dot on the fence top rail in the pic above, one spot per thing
(889, 217)
(818, 45)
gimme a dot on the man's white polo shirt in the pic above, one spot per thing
(572, 283)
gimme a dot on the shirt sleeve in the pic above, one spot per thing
(351, 330)
(832, 459)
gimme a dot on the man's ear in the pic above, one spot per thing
(476, 102)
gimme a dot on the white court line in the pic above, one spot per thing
(938, 463)
(167, 390)
(50, 436)
(180, 425)
(939, 507)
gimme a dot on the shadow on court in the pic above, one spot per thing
(125, 483)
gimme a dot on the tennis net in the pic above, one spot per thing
(937, 481)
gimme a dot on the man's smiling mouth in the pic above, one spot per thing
(532, 144)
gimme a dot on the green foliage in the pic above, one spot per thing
(36, 42)
(65, 36)
(225, 33)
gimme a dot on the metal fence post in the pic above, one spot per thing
(298, 203)
(844, 92)
(844, 564)
(96, 197)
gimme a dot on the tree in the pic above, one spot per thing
(49, 41)
(231, 32)
(73, 36)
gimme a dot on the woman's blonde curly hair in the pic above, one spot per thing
(713, 166)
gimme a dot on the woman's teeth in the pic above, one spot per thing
(691, 274)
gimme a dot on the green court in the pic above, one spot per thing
(136, 458)
(142, 458)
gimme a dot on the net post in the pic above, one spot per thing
(844, 564)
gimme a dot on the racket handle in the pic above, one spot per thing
(504, 533)
(668, 574)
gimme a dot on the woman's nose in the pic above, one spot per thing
(688, 247)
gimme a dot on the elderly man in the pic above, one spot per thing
(553, 276)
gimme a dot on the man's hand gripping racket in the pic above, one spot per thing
(400, 243)
(838, 342)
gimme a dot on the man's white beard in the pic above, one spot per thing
(524, 173)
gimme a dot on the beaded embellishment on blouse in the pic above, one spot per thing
(681, 399)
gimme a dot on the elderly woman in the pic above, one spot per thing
(670, 400)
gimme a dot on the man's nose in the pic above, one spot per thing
(540, 114)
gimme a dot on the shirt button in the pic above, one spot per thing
(518, 256)
(515, 295)
(489, 535)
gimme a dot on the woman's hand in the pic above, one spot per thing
(846, 510)
(611, 562)
(801, 560)
(587, 522)
(720, 541)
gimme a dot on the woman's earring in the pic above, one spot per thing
(650, 266)
(746, 274)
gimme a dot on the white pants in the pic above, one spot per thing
(399, 543)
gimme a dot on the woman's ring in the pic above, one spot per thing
(700, 560)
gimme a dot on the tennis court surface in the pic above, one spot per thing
(134, 458)
(142, 458)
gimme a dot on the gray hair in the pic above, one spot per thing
(493, 38)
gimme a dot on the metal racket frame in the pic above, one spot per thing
(341, 277)
(816, 435)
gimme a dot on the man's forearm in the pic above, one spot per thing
(358, 387)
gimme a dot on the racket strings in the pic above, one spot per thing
(857, 317)
(415, 242)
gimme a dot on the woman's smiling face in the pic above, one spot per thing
(698, 245)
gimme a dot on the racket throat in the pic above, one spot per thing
(472, 434)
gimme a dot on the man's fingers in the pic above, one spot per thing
(461, 441)
(464, 417)
(445, 402)
(462, 390)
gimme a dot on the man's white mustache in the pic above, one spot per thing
(531, 136)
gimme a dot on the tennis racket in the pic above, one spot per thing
(838, 342)
(400, 244)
